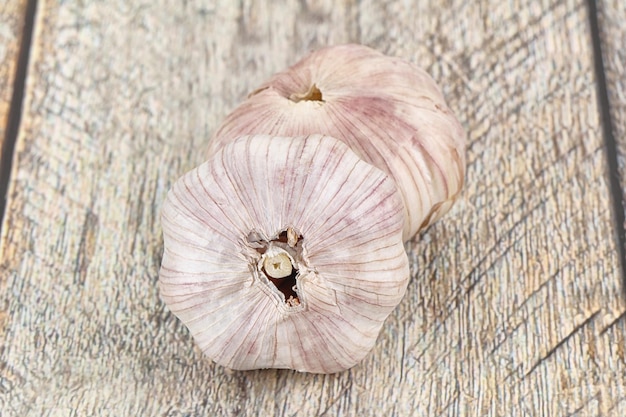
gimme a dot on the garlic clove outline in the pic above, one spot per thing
(337, 219)
(388, 111)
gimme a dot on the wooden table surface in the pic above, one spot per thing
(516, 305)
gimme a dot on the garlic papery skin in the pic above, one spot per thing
(388, 111)
(307, 203)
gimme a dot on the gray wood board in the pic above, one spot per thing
(513, 308)
(12, 13)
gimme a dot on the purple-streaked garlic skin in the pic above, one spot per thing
(388, 111)
(259, 203)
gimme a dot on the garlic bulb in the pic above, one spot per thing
(284, 252)
(388, 111)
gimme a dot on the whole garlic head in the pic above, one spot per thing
(284, 252)
(388, 111)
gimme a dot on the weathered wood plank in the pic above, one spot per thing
(613, 34)
(611, 17)
(612, 28)
(12, 15)
(514, 307)
(12, 18)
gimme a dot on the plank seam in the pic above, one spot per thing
(562, 342)
(617, 194)
(15, 108)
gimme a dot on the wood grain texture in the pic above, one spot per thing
(12, 14)
(612, 28)
(611, 16)
(514, 305)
